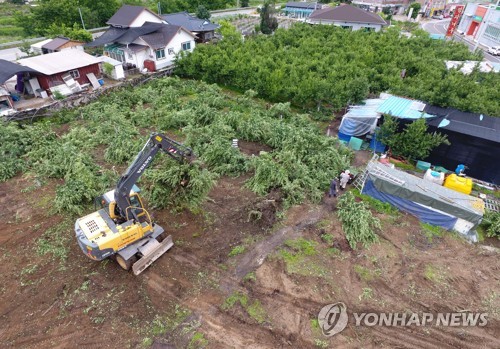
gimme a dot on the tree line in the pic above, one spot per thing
(53, 17)
(318, 66)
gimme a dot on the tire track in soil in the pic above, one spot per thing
(254, 258)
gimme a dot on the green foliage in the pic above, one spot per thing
(229, 32)
(164, 185)
(237, 250)
(202, 12)
(76, 32)
(253, 309)
(108, 68)
(55, 241)
(58, 95)
(325, 64)
(64, 13)
(268, 23)
(414, 142)
(416, 9)
(491, 224)
(172, 6)
(357, 221)
(112, 130)
(377, 205)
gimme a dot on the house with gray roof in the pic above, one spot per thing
(142, 44)
(129, 16)
(202, 28)
(349, 17)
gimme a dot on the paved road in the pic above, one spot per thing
(440, 27)
(436, 27)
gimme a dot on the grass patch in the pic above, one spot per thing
(376, 205)
(236, 297)
(327, 238)
(257, 312)
(366, 294)
(197, 341)
(236, 251)
(250, 277)
(404, 166)
(431, 231)
(254, 309)
(366, 274)
(55, 241)
(298, 257)
(434, 274)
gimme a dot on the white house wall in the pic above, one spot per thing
(145, 16)
(354, 26)
(150, 54)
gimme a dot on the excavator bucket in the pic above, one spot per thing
(151, 252)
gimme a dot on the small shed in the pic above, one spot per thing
(54, 66)
(60, 44)
(117, 72)
(36, 48)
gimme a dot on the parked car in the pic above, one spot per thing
(495, 50)
(437, 16)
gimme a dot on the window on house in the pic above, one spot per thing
(186, 46)
(75, 74)
(171, 51)
(160, 54)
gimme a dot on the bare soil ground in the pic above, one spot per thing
(234, 280)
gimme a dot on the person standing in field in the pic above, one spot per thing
(333, 188)
(344, 178)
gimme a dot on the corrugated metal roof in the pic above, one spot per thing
(402, 108)
(59, 62)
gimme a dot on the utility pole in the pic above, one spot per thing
(83, 24)
(159, 8)
(485, 24)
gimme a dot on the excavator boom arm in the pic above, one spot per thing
(155, 143)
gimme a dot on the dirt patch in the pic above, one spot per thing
(252, 148)
(234, 249)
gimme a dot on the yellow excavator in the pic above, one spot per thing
(122, 229)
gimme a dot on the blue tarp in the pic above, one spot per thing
(344, 137)
(357, 126)
(423, 213)
(377, 146)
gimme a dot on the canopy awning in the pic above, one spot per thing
(9, 69)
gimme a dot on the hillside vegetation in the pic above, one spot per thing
(323, 65)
